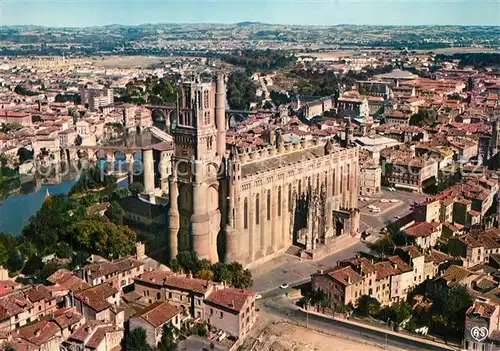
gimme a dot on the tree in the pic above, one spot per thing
(206, 274)
(136, 188)
(382, 246)
(102, 237)
(63, 250)
(189, 261)
(115, 213)
(368, 305)
(240, 91)
(36, 119)
(168, 340)
(267, 105)
(424, 117)
(24, 154)
(78, 140)
(400, 238)
(47, 270)
(399, 312)
(49, 225)
(451, 304)
(136, 341)
(33, 264)
(15, 262)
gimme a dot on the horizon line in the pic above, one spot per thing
(249, 22)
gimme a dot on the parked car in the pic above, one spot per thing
(384, 200)
(393, 200)
(375, 210)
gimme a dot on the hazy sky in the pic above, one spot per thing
(323, 12)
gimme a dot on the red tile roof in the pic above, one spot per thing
(95, 297)
(40, 332)
(231, 298)
(158, 313)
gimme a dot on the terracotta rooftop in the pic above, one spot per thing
(95, 297)
(39, 332)
(231, 298)
(65, 317)
(345, 275)
(481, 309)
(158, 313)
(422, 229)
(98, 336)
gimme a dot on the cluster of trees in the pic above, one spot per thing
(279, 98)
(476, 59)
(152, 90)
(240, 91)
(424, 117)
(170, 338)
(230, 273)
(7, 127)
(446, 315)
(259, 60)
(75, 98)
(387, 244)
(62, 225)
(101, 236)
(92, 178)
(20, 90)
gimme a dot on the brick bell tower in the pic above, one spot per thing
(194, 216)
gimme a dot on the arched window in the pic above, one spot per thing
(326, 181)
(257, 209)
(300, 188)
(279, 201)
(268, 205)
(245, 213)
(317, 182)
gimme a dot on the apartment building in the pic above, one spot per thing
(153, 318)
(119, 273)
(231, 310)
(476, 248)
(100, 303)
(482, 316)
(192, 296)
(388, 281)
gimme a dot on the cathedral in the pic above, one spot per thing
(234, 202)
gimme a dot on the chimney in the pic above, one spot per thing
(37, 332)
(349, 280)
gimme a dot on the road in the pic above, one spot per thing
(293, 271)
(376, 221)
(284, 308)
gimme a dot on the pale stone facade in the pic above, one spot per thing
(255, 201)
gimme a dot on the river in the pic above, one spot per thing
(17, 208)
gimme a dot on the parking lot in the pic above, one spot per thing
(389, 211)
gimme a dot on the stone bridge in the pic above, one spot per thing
(127, 157)
(166, 113)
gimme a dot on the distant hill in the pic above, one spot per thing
(246, 24)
